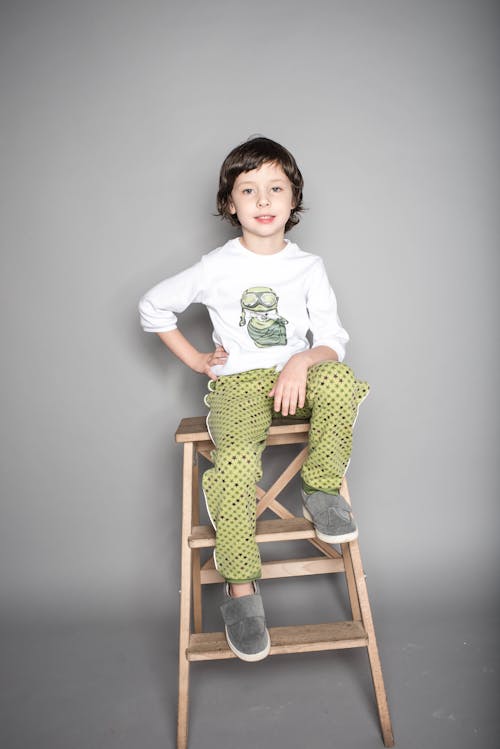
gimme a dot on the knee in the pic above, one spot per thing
(332, 384)
(336, 366)
(331, 373)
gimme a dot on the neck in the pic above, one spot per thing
(263, 245)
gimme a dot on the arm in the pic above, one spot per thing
(187, 353)
(325, 324)
(157, 310)
(290, 388)
(329, 340)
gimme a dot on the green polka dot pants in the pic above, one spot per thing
(240, 415)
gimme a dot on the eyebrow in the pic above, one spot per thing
(253, 182)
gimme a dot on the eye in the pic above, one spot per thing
(247, 191)
(276, 188)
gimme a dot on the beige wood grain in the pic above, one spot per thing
(282, 481)
(198, 645)
(185, 602)
(197, 610)
(373, 654)
(284, 568)
(299, 639)
(194, 429)
(203, 536)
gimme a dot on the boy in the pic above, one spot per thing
(263, 295)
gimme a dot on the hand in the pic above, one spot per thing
(205, 362)
(289, 390)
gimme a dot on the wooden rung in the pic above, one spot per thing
(299, 639)
(285, 568)
(286, 438)
(203, 536)
(194, 429)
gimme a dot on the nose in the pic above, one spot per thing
(263, 199)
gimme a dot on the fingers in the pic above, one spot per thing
(288, 397)
(219, 356)
(289, 401)
(216, 358)
(302, 396)
(289, 391)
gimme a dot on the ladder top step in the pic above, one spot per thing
(194, 428)
(299, 639)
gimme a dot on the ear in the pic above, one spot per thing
(230, 206)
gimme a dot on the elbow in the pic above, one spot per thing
(146, 313)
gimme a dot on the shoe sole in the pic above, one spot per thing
(250, 657)
(342, 539)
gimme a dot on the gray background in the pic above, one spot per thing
(115, 119)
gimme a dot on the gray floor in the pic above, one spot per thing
(106, 684)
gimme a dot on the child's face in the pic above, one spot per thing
(263, 200)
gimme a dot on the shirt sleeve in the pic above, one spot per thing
(158, 306)
(325, 324)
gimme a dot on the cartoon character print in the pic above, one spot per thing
(265, 326)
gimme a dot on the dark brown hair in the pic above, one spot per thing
(251, 155)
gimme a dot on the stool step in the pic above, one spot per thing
(267, 530)
(299, 639)
(285, 568)
(194, 428)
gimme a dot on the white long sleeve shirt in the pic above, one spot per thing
(261, 306)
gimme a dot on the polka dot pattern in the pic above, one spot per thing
(240, 415)
(333, 398)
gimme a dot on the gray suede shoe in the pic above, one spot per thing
(245, 622)
(331, 515)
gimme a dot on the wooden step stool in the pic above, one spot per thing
(202, 646)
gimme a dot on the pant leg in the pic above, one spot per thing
(334, 396)
(239, 418)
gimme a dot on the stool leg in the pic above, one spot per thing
(348, 568)
(185, 602)
(373, 654)
(351, 583)
(358, 594)
(197, 610)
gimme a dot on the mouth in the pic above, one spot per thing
(265, 219)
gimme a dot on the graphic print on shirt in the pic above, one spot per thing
(265, 326)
